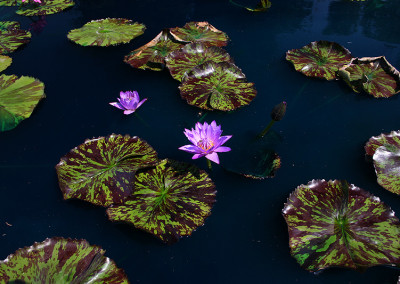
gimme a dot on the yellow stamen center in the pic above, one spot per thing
(205, 144)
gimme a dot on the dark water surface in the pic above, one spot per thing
(245, 240)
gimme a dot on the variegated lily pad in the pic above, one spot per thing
(18, 98)
(220, 86)
(169, 201)
(102, 170)
(10, 2)
(321, 59)
(375, 142)
(12, 37)
(46, 7)
(106, 32)
(333, 223)
(59, 260)
(5, 61)
(183, 60)
(373, 75)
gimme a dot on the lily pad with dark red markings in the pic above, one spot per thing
(372, 75)
(106, 32)
(321, 59)
(5, 61)
(220, 86)
(333, 223)
(59, 260)
(386, 138)
(10, 2)
(46, 7)
(387, 167)
(169, 201)
(183, 60)
(12, 37)
(102, 170)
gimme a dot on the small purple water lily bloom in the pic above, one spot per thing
(129, 102)
(207, 141)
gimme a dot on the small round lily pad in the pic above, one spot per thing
(5, 61)
(387, 167)
(46, 7)
(12, 37)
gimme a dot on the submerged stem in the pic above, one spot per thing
(266, 128)
(209, 164)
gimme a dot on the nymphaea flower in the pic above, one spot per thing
(129, 101)
(207, 141)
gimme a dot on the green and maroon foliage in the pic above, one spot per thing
(321, 59)
(10, 2)
(102, 170)
(220, 86)
(387, 167)
(333, 223)
(183, 60)
(5, 61)
(59, 260)
(169, 201)
(200, 32)
(373, 75)
(18, 98)
(47, 7)
(374, 142)
(106, 32)
(12, 37)
(152, 55)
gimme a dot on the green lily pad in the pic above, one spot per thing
(321, 59)
(333, 223)
(18, 98)
(102, 170)
(47, 7)
(200, 32)
(60, 260)
(220, 86)
(12, 37)
(387, 167)
(106, 32)
(373, 75)
(5, 61)
(10, 3)
(183, 60)
(375, 142)
(169, 201)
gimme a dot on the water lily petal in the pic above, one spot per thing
(190, 149)
(213, 157)
(129, 111)
(118, 105)
(197, 156)
(141, 102)
(223, 139)
(222, 149)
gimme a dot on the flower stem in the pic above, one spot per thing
(266, 128)
(209, 164)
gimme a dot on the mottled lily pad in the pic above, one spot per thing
(59, 260)
(200, 32)
(321, 59)
(220, 86)
(5, 61)
(375, 142)
(10, 3)
(46, 7)
(373, 75)
(106, 32)
(102, 170)
(183, 60)
(333, 223)
(18, 98)
(387, 167)
(169, 201)
(12, 37)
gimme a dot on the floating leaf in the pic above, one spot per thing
(220, 86)
(152, 55)
(5, 61)
(183, 60)
(47, 7)
(102, 170)
(262, 6)
(321, 59)
(10, 2)
(373, 75)
(169, 201)
(59, 260)
(387, 166)
(200, 32)
(12, 37)
(338, 224)
(18, 98)
(106, 32)
(374, 142)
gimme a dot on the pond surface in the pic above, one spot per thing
(245, 240)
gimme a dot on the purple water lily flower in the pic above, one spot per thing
(206, 140)
(129, 102)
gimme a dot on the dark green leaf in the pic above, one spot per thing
(5, 61)
(12, 37)
(46, 7)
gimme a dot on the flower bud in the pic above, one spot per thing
(278, 112)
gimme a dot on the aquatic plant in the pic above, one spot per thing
(12, 37)
(129, 101)
(37, 1)
(277, 113)
(262, 6)
(5, 61)
(45, 7)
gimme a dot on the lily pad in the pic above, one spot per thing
(46, 7)
(5, 61)
(333, 223)
(373, 75)
(10, 3)
(183, 60)
(321, 59)
(375, 142)
(106, 32)
(12, 37)
(18, 98)
(60, 260)
(220, 86)
(387, 167)
(102, 170)
(169, 201)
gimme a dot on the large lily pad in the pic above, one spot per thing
(169, 201)
(220, 86)
(373, 75)
(18, 98)
(59, 260)
(333, 223)
(46, 7)
(12, 37)
(387, 167)
(5, 61)
(106, 32)
(375, 142)
(183, 60)
(321, 59)
(102, 170)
